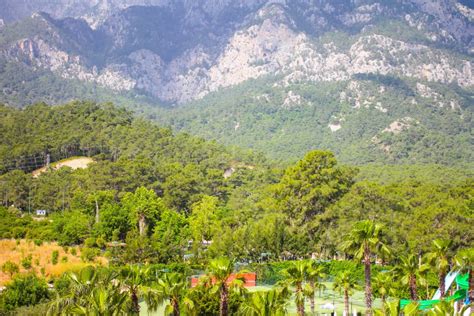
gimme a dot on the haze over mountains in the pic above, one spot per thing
(370, 80)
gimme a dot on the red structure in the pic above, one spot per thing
(250, 279)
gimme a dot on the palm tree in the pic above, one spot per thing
(295, 275)
(439, 259)
(389, 309)
(102, 300)
(424, 273)
(80, 285)
(172, 287)
(134, 277)
(345, 283)
(409, 271)
(314, 274)
(464, 260)
(220, 270)
(363, 241)
(444, 308)
(411, 309)
(266, 303)
(382, 286)
(393, 309)
(91, 292)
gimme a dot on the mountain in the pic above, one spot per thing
(182, 51)
(362, 120)
(371, 80)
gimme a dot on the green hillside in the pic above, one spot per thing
(186, 174)
(260, 115)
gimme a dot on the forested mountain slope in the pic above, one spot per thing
(373, 81)
(110, 133)
(156, 191)
(366, 119)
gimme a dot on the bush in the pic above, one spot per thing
(100, 242)
(40, 309)
(71, 228)
(73, 251)
(270, 273)
(38, 242)
(19, 232)
(54, 257)
(61, 284)
(10, 267)
(116, 235)
(25, 290)
(26, 262)
(334, 267)
(90, 242)
(64, 259)
(181, 268)
(89, 254)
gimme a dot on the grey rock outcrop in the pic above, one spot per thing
(178, 51)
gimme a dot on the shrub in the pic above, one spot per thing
(40, 309)
(25, 290)
(116, 235)
(73, 251)
(54, 257)
(90, 242)
(176, 267)
(10, 267)
(71, 227)
(64, 259)
(26, 262)
(89, 254)
(335, 267)
(19, 232)
(100, 242)
(270, 273)
(38, 242)
(61, 284)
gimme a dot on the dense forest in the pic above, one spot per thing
(287, 120)
(182, 178)
(170, 198)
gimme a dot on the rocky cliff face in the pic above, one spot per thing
(177, 51)
(95, 12)
(450, 14)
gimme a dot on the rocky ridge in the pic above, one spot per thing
(181, 66)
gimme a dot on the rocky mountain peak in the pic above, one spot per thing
(177, 51)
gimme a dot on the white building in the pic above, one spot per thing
(41, 212)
